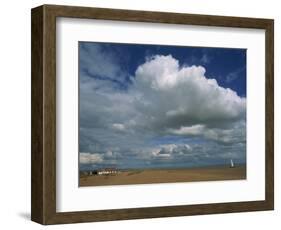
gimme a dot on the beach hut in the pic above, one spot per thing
(107, 171)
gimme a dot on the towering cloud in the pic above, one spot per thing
(184, 96)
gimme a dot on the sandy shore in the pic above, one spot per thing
(148, 176)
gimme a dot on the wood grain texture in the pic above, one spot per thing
(269, 116)
(37, 116)
(43, 188)
(43, 116)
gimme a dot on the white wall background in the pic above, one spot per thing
(15, 113)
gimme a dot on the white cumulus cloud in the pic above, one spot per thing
(183, 96)
(90, 158)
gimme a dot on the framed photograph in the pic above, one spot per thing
(141, 114)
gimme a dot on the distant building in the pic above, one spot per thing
(88, 173)
(106, 171)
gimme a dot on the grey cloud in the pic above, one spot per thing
(96, 60)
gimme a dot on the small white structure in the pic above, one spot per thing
(231, 163)
(107, 171)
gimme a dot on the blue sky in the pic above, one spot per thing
(152, 106)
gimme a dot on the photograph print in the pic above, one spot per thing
(161, 114)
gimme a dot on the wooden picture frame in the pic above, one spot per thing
(43, 188)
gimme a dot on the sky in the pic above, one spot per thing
(155, 106)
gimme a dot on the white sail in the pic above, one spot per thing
(231, 163)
